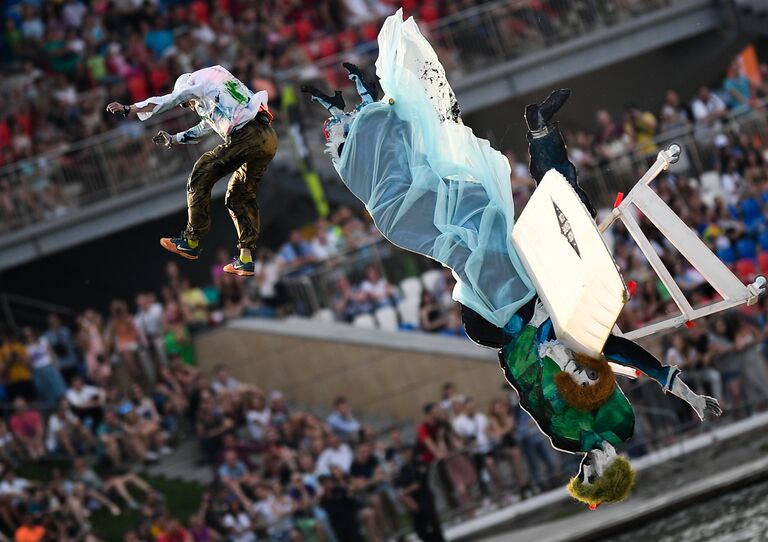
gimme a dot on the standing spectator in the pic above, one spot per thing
(610, 141)
(674, 116)
(49, 383)
(342, 507)
(27, 426)
(237, 523)
(501, 429)
(123, 338)
(296, 252)
(640, 126)
(326, 241)
(149, 321)
(708, 110)
(431, 316)
(195, 304)
(430, 444)
(413, 482)
(60, 339)
(739, 90)
(472, 427)
(91, 341)
(257, 417)
(341, 420)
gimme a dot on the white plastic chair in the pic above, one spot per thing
(409, 312)
(323, 315)
(387, 318)
(364, 321)
(430, 278)
(411, 288)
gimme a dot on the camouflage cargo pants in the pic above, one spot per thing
(246, 156)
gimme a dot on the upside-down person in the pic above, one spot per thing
(242, 119)
(434, 188)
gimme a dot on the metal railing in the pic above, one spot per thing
(312, 287)
(17, 311)
(485, 35)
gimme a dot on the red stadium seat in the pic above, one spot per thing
(762, 260)
(158, 80)
(199, 10)
(369, 31)
(137, 86)
(304, 30)
(746, 269)
(327, 47)
(429, 12)
(347, 39)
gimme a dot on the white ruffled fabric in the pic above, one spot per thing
(430, 185)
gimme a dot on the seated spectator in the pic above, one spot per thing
(454, 324)
(66, 433)
(431, 317)
(112, 439)
(341, 420)
(610, 140)
(257, 416)
(144, 439)
(60, 339)
(30, 530)
(86, 401)
(49, 383)
(27, 427)
(14, 362)
(336, 454)
(232, 469)
(674, 116)
(116, 483)
(237, 523)
(376, 290)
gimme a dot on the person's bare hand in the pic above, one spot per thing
(116, 107)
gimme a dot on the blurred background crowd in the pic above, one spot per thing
(96, 399)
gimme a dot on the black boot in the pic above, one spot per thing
(336, 101)
(370, 88)
(539, 115)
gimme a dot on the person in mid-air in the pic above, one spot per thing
(242, 119)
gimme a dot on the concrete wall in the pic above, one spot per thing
(381, 373)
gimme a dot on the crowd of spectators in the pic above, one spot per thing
(63, 60)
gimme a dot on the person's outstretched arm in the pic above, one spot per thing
(630, 354)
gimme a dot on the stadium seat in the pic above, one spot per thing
(326, 47)
(364, 321)
(430, 278)
(745, 248)
(324, 315)
(746, 270)
(763, 240)
(347, 39)
(369, 31)
(710, 183)
(137, 87)
(762, 261)
(409, 312)
(411, 288)
(727, 255)
(387, 318)
(752, 214)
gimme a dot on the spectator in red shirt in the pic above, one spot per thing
(27, 426)
(430, 445)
